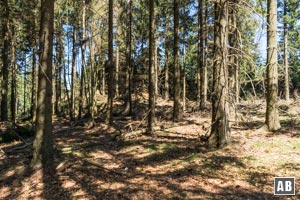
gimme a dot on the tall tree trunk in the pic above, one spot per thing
(73, 73)
(82, 79)
(236, 46)
(24, 84)
(272, 116)
(166, 89)
(117, 70)
(66, 73)
(93, 72)
(286, 61)
(128, 82)
(5, 62)
(220, 129)
(42, 147)
(58, 70)
(13, 103)
(110, 84)
(184, 79)
(101, 69)
(177, 110)
(156, 68)
(205, 79)
(233, 56)
(200, 68)
(151, 88)
(33, 83)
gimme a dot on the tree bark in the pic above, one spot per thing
(128, 82)
(58, 71)
(5, 61)
(233, 56)
(205, 78)
(151, 87)
(272, 116)
(200, 68)
(13, 103)
(177, 110)
(286, 61)
(117, 70)
(73, 73)
(82, 79)
(166, 86)
(33, 84)
(93, 72)
(184, 78)
(42, 147)
(110, 84)
(24, 84)
(156, 68)
(220, 120)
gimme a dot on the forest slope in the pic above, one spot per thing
(173, 164)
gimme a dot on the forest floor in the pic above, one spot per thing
(93, 163)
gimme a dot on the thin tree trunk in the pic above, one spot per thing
(73, 74)
(286, 61)
(236, 58)
(103, 92)
(151, 88)
(5, 61)
(33, 84)
(184, 79)
(24, 84)
(66, 87)
(110, 95)
(177, 110)
(166, 92)
(82, 79)
(220, 129)
(58, 71)
(13, 102)
(205, 81)
(272, 115)
(200, 68)
(233, 59)
(156, 69)
(128, 82)
(93, 72)
(42, 147)
(117, 70)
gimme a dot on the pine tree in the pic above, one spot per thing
(151, 89)
(272, 115)
(177, 110)
(5, 61)
(110, 97)
(220, 130)
(42, 147)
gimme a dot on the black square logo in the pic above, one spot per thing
(284, 186)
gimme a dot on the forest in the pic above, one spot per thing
(149, 99)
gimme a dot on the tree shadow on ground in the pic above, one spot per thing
(249, 125)
(165, 166)
(291, 127)
(52, 185)
(140, 182)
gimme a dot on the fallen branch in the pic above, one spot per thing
(136, 133)
(139, 132)
(62, 166)
(12, 150)
(101, 167)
